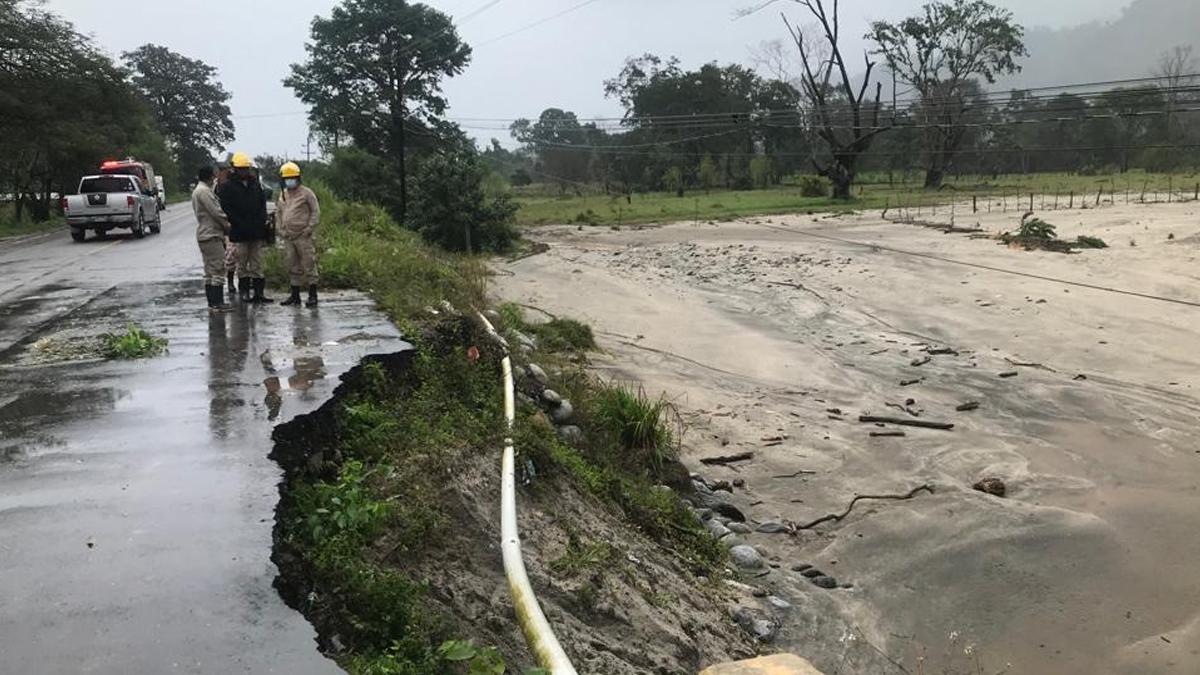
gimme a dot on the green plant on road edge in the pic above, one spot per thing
(134, 343)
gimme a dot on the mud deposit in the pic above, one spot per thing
(776, 335)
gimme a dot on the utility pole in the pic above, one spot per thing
(308, 147)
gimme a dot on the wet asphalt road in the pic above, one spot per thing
(136, 498)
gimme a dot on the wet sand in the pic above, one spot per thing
(759, 328)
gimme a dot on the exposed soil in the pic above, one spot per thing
(640, 612)
(774, 335)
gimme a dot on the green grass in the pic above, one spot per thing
(134, 343)
(360, 246)
(540, 206)
(638, 423)
(11, 226)
(557, 335)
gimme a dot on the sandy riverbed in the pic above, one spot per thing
(759, 328)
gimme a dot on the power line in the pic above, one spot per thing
(535, 24)
(907, 153)
(837, 108)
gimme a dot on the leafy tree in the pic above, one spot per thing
(374, 72)
(562, 145)
(64, 107)
(939, 53)
(673, 181)
(678, 116)
(451, 208)
(762, 172)
(710, 175)
(1130, 125)
(188, 102)
(358, 175)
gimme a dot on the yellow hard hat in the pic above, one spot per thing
(241, 160)
(289, 170)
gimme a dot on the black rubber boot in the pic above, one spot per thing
(244, 289)
(216, 299)
(208, 295)
(312, 296)
(293, 299)
(259, 298)
(232, 286)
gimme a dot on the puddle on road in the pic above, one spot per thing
(307, 369)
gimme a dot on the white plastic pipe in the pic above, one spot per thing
(538, 634)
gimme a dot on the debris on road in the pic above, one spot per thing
(968, 406)
(991, 486)
(1011, 373)
(923, 424)
(941, 351)
(727, 459)
(888, 434)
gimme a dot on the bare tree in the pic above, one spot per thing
(775, 59)
(1177, 70)
(843, 116)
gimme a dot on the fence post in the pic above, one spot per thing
(1030, 201)
(1072, 204)
(1170, 188)
(1145, 184)
(1197, 195)
(974, 203)
(1099, 195)
(1056, 200)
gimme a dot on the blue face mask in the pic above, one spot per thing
(292, 183)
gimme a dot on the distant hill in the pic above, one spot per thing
(1126, 47)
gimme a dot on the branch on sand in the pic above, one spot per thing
(837, 517)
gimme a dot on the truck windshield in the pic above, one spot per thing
(106, 184)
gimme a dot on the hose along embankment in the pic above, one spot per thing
(387, 534)
(538, 632)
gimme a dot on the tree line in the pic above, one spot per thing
(808, 108)
(65, 106)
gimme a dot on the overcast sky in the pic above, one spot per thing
(561, 63)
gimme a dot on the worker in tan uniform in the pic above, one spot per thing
(297, 212)
(212, 226)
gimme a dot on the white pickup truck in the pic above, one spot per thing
(109, 201)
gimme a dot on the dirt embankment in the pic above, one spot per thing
(619, 603)
(775, 335)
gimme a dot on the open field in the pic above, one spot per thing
(543, 205)
(773, 335)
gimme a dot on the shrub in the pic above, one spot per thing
(563, 335)
(345, 508)
(449, 206)
(813, 186)
(762, 172)
(1036, 228)
(134, 343)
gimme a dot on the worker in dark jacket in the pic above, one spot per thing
(245, 204)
